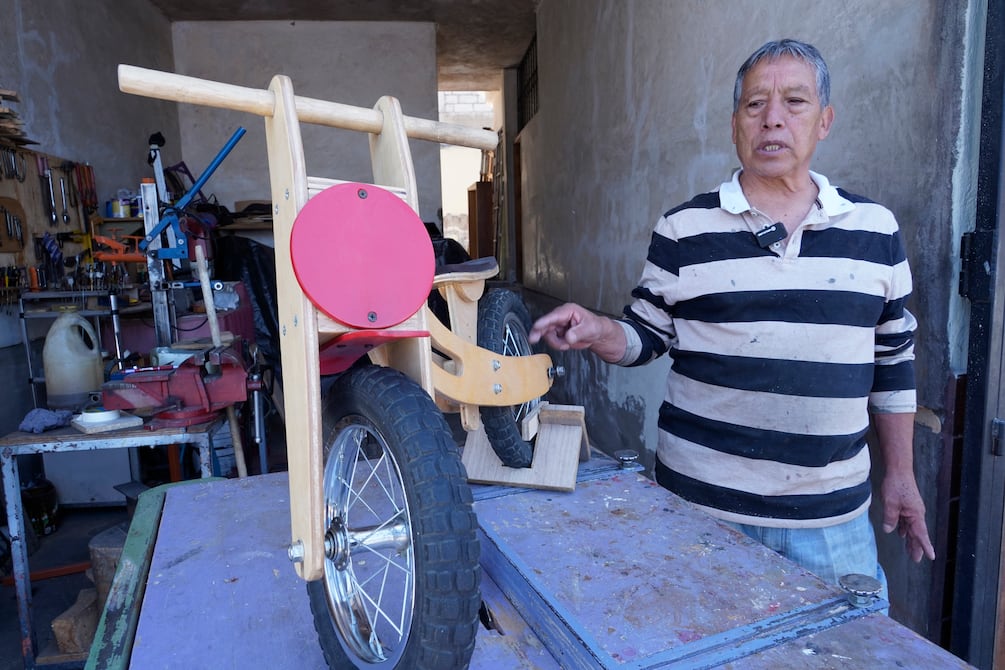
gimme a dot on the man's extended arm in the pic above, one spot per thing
(903, 507)
(574, 327)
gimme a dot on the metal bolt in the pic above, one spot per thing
(284, 329)
(362, 193)
(275, 209)
(295, 321)
(496, 365)
(296, 552)
(497, 388)
(627, 458)
(371, 317)
(557, 371)
(862, 590)
(286, 194)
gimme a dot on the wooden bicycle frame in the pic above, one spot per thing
(468, 377)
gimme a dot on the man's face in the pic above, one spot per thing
(779, 119)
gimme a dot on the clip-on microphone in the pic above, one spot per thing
(770, 234)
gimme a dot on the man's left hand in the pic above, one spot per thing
(904, 510)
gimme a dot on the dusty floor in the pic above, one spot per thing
(51, 597)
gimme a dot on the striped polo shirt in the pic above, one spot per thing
(779, 353)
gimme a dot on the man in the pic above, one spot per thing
(780, 300)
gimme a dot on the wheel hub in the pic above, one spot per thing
(337, 544)
(340, 541)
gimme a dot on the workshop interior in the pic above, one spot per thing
(268, 273)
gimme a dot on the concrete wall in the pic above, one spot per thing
(61, 58)
(351, 63)
(635, 103)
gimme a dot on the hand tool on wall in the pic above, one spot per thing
(55, 256)
(62, 191)
(45, 174)
(69, 169)
(69, 183)
(12, 168)
(86, 190)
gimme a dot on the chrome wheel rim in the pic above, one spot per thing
(369, 566)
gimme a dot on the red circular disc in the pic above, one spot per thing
(362, 256)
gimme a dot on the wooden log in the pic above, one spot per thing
(74, 628)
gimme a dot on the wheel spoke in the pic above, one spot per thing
(376, 603)
(371, 606)
(369, 570)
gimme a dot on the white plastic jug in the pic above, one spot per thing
(71, 360)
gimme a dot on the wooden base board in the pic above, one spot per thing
(561, 445)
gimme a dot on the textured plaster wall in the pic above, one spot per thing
(61, 58)
(635, 103)
(351, 63)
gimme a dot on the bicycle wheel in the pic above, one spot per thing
(401, 575)
(503, 324)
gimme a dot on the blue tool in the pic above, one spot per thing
(170, 218)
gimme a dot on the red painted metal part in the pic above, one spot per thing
(340, 353)
(362, 256)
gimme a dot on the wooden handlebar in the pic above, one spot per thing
(182, 88)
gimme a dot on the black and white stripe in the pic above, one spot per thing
(777, 355)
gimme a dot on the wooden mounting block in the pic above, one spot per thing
(562, 443)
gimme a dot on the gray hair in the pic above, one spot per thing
(796, 49)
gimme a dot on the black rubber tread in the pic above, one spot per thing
(446, 550)
(500, 426)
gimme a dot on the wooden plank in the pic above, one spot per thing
(622, 574)
(392, 165)
(389, 152)
(113, 639)
(221, 593)
(568, 415)
(298, 324)
(317, 184)
(487, 379)
(554, 467)
(462, 304)
(124, 420)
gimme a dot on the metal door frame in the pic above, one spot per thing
(982, 468)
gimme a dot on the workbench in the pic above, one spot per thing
(617, 574)
(66, 440)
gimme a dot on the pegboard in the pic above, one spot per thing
(25, 193)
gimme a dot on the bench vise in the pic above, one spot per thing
(183, 387)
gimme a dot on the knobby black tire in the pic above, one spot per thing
(503, 324)
(396, 420)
